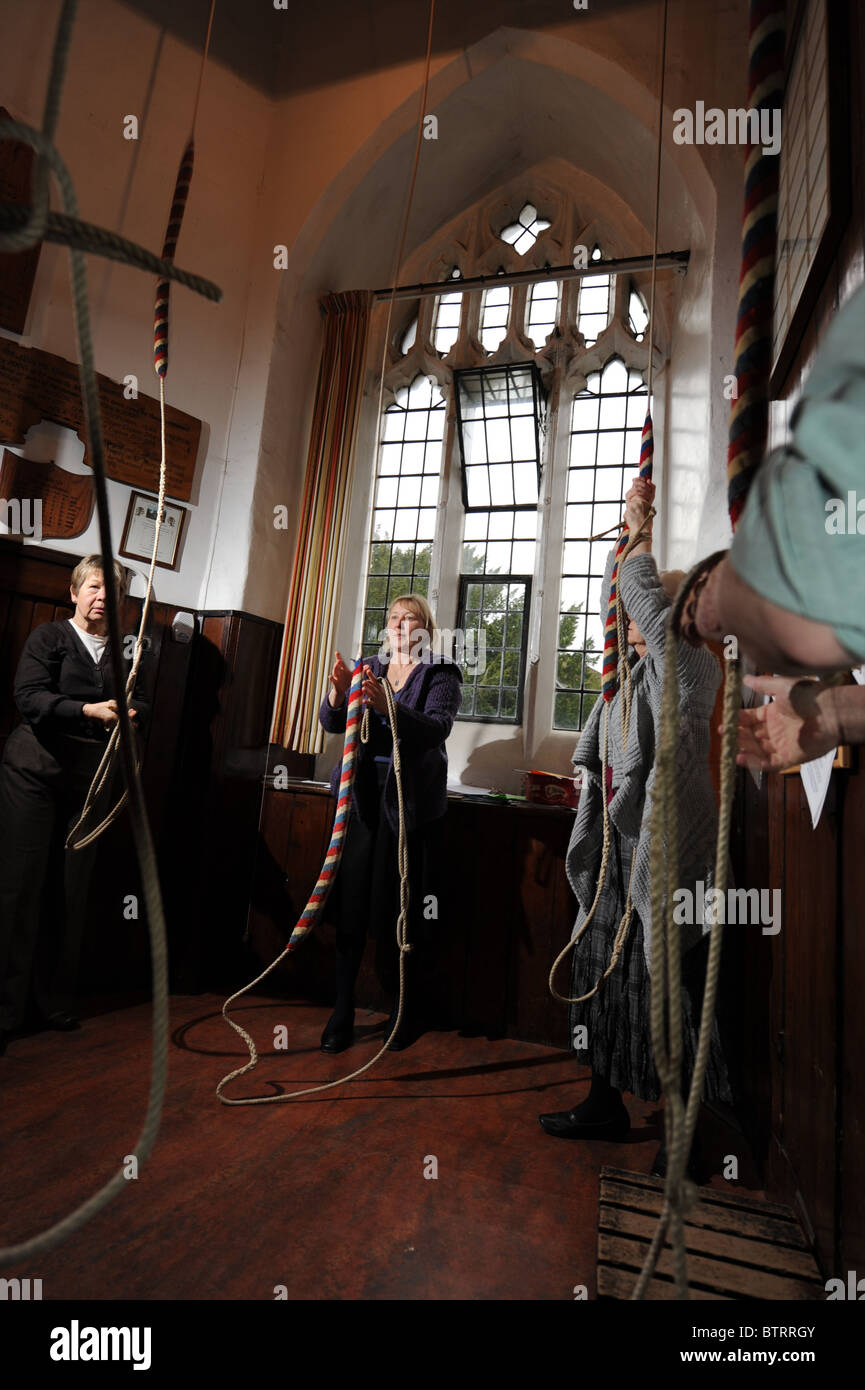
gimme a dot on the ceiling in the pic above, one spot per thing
(279, 51)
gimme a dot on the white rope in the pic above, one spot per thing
(402, 941)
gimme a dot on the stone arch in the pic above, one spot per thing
(514, 108)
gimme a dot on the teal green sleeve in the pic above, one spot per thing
(799, 542)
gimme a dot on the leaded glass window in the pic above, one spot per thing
(404, 507)
(606, 426)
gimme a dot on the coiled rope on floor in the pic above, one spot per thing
(356, 728)
(49, 160)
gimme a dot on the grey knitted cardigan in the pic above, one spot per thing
(633, 767)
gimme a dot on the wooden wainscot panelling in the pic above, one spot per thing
(545, 910)
(810, 946)
(748, 961)
(34, 588)
(504, 910)
(293, 839)
(851, 983)
(217, 810)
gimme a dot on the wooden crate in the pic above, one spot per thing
(739, 1247)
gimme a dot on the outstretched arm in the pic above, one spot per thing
(805, 720)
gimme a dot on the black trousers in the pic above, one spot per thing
(367, 894)
(43, 886)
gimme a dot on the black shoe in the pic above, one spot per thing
(337, 1036)
(567, 1124)
(62, 1022)
(693, 1170)
(410, 1029)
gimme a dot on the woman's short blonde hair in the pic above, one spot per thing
(94, 564)
(418, 605)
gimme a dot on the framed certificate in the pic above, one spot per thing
(140, 528)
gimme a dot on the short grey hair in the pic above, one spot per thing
(94, 564)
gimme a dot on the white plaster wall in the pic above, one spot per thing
(514, 100)
(324, 171)
(120, 63)
(694, 503)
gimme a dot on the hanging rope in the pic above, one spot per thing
(22, 236)
(75, 839)
(625, 923)
(615, 668)
(354, 728)
(318, 897)
(615, 644)
(749, 412)
(666, 1008)
(412, 181)
(748, 431)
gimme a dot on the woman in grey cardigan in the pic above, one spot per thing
(617, 1030)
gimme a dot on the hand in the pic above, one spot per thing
(105, 712)
(638, 503)
(340, 680)
(797, 726)
(373, 692)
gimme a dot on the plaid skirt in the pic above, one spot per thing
(617, 1019)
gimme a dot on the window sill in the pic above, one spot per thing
(478, 798)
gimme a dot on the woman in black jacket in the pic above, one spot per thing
(427, 697)
(65, 695)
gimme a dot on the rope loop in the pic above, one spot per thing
(354, 731)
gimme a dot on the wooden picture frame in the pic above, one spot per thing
(139, 527)
(843, 759)
(814, 173)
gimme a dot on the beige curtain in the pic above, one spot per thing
(307, 644)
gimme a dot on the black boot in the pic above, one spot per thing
(415, 1012)
(602, 1115)
(410, 1028)
(338, 1032)
(694, 1169)
(696, 1165)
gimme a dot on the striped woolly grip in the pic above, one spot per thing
(610, 670)
(749, 415)
(319, 894)
(160, 311)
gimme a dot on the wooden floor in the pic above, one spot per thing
(325, 1196)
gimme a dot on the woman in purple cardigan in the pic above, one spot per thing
(427, 694)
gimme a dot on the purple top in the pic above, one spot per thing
(425, 711)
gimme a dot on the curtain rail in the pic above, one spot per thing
(669, 260)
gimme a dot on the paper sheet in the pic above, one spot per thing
(816, 776)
